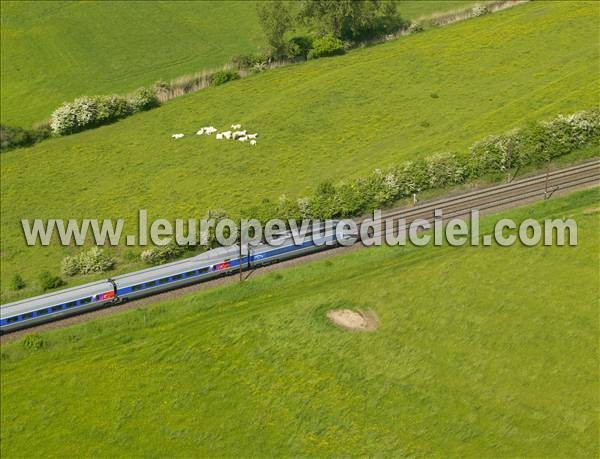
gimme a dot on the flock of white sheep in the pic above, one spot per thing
(235, 134)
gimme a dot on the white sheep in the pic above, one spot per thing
(238, 134)
(253, 142)
(219, 136)
(252, 136)
(226, 134)
(200, 132)
(177, 136)
(236, 126)
(210, 130)
(243, 138)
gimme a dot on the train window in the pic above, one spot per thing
(72, 304)
(86, 300)
(41, 312)
(163, 281)
(57, 308)
(178, 276)
(12, 320)
(150, 284)
(29, 315)
(135, 288)
(203, 270)
(191, 273)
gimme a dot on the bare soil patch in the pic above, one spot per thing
(354, 320)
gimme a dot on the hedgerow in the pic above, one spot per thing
(15, 137)
(87, 112)
(532, 145)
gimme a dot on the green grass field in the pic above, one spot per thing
(56, 51)
(326, 119)
(481, 352)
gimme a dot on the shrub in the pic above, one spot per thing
(304, 207)
(414, 27)
(495, 154)
(275, 19)
(535, 144)
(143, 99)
(94, 260)
(324, 203)
(160, 255)
(223, 76)
(327, 45)
(351, 197)
(299, 47)
(87, 112)
(479, 10)
(75, 116)
(64, 120)
(17, 282)
(49, 282)
(351, 20)
(16, 137)
(111, 108)
(445, 169)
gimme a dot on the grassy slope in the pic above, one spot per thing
(326, 119)
(55, 51)
(482, 352)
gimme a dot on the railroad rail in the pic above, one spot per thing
(496, 197)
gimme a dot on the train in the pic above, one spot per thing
(208, 265)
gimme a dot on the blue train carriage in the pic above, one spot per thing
(208, 265)
(51, 306)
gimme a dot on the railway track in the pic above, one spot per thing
(497, 197)
(485, 200)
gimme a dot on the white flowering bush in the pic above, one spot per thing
(535, 144)
(444, 169)
(111, 108)
(162, 254)
(479, 10)
(572, 131)
(414, 27)
(73, 116)
(143, 99)
(94, 260)
(88, 112)
(495, 153)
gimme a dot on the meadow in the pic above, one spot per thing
(480, 352)
(55, 51)
(323, 120)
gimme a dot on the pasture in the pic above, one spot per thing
(323, 120)
(480, 352)
(55, 51)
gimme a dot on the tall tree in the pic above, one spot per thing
(275, 19)
(348, 19)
